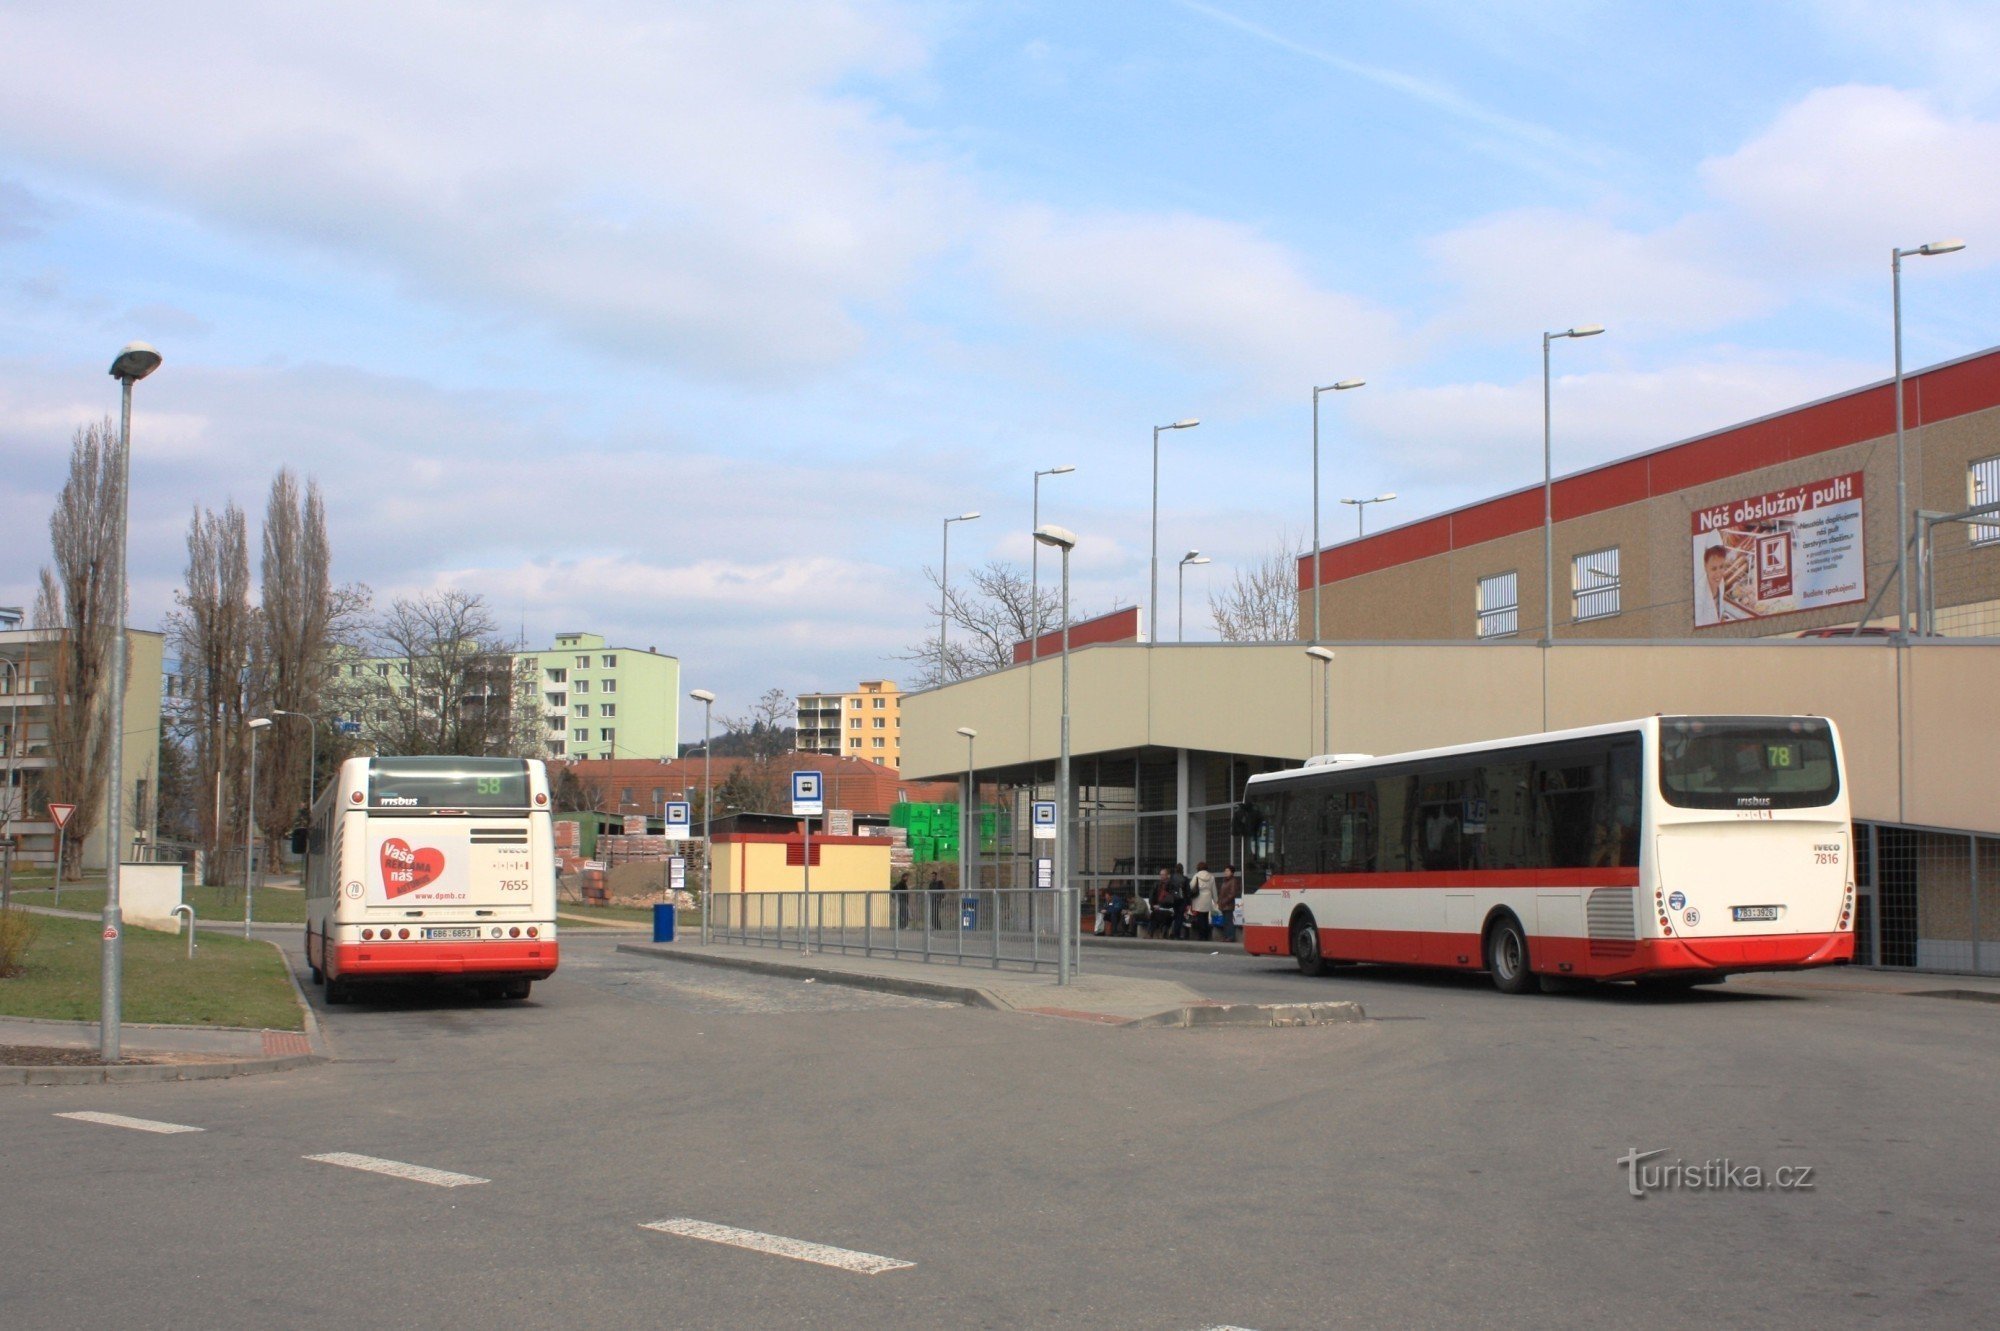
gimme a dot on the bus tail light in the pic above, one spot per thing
(533, 932)
(367, 935)
(402, 933)
(515, 932)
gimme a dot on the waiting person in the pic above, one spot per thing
(1228, 891)
(902, 890)
(1201, 904)
(1177, 881)
(934, 892)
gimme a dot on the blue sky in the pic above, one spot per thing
(689, 322)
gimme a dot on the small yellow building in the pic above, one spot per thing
(755, 870)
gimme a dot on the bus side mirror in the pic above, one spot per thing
(299, 840)
(1245, 821)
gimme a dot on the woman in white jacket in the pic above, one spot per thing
(1203, 904)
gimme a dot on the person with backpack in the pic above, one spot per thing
(1178, 891)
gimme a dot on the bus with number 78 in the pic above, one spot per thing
(1671, 850)
(431, 868)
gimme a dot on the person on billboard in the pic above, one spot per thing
(1716, 602)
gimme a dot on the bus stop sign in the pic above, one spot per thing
(806, 799)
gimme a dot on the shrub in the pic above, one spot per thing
(17, 935)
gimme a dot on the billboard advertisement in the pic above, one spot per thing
(1780, 552)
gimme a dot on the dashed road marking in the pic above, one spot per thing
(442, 1178)
(125, 1121)
(865, 1263)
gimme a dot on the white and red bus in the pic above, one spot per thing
(1669, 850)
(430, 867)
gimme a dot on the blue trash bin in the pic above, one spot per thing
(968, 912)
(663, 922)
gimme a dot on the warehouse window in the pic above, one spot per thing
(1982, 486)
(1593, 581)
(1499, 605)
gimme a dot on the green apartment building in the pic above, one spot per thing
(600, 701)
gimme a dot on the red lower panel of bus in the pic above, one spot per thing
(512, 958)
(1580, 957)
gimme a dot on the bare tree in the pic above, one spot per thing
(1262, 603)
(76, 597)
(992, 609)
(210, 631)
(763, 732)
(444, 681)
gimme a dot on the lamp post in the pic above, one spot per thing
(134, 363)
(1180, 592)
(707, 701)
(1361, 509)
(1035, 560)
(312, 751)
(250, 824)
(1549, 489)
(967, 834)
(1324, 656)
(1065, 541)
(1340, 387)
(1153, 605)
(1896, 258)
(944, 586)
(7, 793)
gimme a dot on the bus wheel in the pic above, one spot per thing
(336, 992)
(1305, 946)
(516, 989)
(1507, 957)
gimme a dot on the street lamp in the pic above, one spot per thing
(707, 701)
(944, 586)
(1361, 509)
(1065, 541)
(1153, 605)
(7, 793)
(1035, 560)
(967, 838)
(1180, 592)
(1896, 258)
(134, 363)
(1549, 489)
(250, 823)
(1324, 656)
(1340, 387)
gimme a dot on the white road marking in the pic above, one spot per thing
(866, 1263)
(443, 1178)
(124, 1121)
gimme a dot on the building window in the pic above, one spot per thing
(625, 795)
(583, 709)
(1982, 486)
(880, 703)
(854, 723)
(583, 663)
(609, 736)
(1593, 581)
(1499, 606)
(555, 748)
(608, 662)
(880, 742)
(607, 686)
(382, 671)
(557, 675)
(609, 709)
(854, 743)
(659, 794)
(881, 723)
(580, 735)
(855, 703)
(581, 685)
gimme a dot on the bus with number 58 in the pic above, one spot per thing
(431, 868)
(1670, 851)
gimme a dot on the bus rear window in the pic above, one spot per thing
(1720, 762)
(448, 783)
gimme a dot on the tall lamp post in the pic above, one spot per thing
(1035, 560)
(7, 791)
(1896, 258)
(707, 701)
(1324, 656)
(1180, 591)
(1065, 541)
(1153, 605)
(967, 820)
(250, 824)
(134, 363)
(1340, 387)
(312, 752)
(1549, 488)
(944, 586)
(1361, 510)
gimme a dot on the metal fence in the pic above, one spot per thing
(1931, 900)
(1016, 928)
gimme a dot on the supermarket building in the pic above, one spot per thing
(1437, 629)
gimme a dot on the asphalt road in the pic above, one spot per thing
(1452, 1162)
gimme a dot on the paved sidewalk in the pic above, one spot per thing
(1111, 999)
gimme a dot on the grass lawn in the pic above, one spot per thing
(625, 914)
(230, 982)
(274, 905)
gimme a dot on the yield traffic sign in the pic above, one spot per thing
(59, 814)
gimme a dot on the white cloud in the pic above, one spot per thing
(1845, 173)
(1952, 45)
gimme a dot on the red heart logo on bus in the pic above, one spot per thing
(405, 870)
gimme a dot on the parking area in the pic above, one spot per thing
(651, 1142)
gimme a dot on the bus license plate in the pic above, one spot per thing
(472, 931)
(1755, 912)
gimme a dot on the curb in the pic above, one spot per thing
(968, 995)
(153, 1072)
(1159, 944)
(1256, 1014)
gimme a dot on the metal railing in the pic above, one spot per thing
(997, 927)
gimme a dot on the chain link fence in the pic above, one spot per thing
(1958, 572)
(1930, 900)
